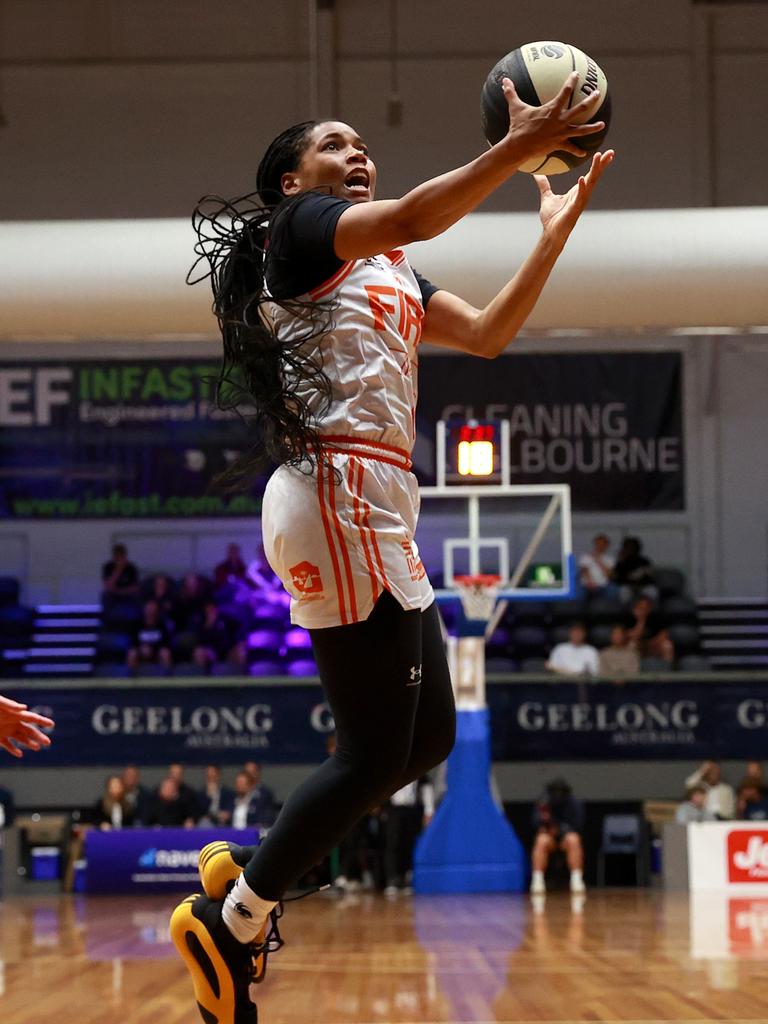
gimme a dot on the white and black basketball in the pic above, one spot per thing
(538, 71)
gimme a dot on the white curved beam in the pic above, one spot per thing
(621, 270)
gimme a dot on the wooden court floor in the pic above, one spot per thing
(622, 956)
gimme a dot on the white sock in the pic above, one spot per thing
(538, 876)
(244, 913)
(576, 875)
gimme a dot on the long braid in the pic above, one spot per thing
(268, 380)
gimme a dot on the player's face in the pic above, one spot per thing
(336, 158)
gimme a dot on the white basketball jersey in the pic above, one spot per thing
(370, 353)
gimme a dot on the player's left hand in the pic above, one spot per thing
(559, 213)
(19, 727)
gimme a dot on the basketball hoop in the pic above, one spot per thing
(478, 595)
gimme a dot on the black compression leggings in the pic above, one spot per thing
(386, 680)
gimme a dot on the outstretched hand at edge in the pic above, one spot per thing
(19, 728)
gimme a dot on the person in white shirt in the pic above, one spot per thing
(694, 807)
(721, 799)
(596, 566)
(575, 658)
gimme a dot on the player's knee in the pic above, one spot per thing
(378, 768)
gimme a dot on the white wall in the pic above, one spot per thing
(136, 108)
(720, 540)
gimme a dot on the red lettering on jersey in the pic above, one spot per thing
(379, 307)
(408, 310)
(413, 315)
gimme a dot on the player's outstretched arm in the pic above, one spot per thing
(453, 323)
(366, 229)
(19, 727)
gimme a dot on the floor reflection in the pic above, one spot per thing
(610, 956)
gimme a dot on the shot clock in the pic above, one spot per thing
(474, 452)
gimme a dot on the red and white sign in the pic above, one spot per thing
(729, 856)
(748, 856)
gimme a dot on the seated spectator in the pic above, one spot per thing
(751, 802)
(575, 658)
(263, 794)
(151, 640)
(192, 595)
(137, 797)
(648, 635)
(215, 802)
(232, 570)
(161, 591)
(558, 818)
(187, 795)
(633, 572)
(754, 771)
(620, 659)
(694, 807)
(217, 640)
(168, 810)
(119, 577)
(596, 566)
(112, 809)
(254, 803)
(721, 800)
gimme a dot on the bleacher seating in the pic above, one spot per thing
(522, 640)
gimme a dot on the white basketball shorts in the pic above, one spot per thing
(337, 540)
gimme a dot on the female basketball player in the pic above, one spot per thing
(321, 316)
(20, 727)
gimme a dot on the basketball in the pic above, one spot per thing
(538, 71)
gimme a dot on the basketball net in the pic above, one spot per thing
(478, 595)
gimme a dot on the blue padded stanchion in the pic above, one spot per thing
(469, 845)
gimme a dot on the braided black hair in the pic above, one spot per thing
(268, 380)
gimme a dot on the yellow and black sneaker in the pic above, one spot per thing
(222, 968)
(220, 865)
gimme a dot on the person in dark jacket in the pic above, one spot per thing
(215, 802)
(559, 819)
(138, 797)
(254, 802)
(168, 809)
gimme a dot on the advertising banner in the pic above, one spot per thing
(730, 855)
(152, 859)
(608, 424)
(89, 439)
(289, 724)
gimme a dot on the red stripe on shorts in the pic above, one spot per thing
(329, 539)
(357, 490)
(342, 543)
(374, 542)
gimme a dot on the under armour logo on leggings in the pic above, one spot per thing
(415, 675)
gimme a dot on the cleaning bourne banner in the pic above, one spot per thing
(608, 424)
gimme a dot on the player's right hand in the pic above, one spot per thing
(550, 127)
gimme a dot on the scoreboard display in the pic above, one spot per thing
(473, 452)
